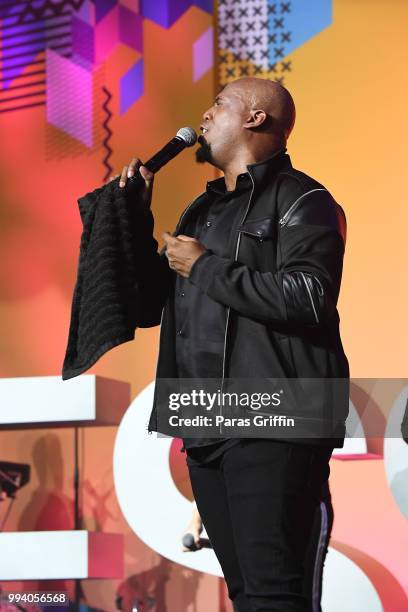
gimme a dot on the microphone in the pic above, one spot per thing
(185, 137)
(189, 542)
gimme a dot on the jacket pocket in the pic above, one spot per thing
(263, 228)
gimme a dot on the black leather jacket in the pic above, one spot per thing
(280, 284)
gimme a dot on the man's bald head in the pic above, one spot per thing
(249, 120)
(271, 97)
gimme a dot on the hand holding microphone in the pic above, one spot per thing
(191, 540)
(190, 544)
(138, 177)
(128, 172)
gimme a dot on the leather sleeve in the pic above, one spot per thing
(312, 241)
(305, 287)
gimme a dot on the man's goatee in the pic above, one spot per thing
(203, 153)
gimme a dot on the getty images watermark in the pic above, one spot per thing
(211, 401)
(251, 407)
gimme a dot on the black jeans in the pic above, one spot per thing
(259, 502)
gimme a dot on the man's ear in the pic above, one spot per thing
(255, 119)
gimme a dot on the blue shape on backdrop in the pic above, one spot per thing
(22, 47)
(131, 86)
(300, 19)
(164, 12)
(205, 5)
(102, 8)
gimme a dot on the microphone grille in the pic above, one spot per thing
(188, 135)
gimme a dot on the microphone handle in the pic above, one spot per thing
(160, 159)
(170, 150)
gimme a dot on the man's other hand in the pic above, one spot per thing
(182, 252)
(195, 527)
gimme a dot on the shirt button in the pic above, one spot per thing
(208, 224)
(182, 294)
(179, 332)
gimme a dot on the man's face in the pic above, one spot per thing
(222, 128)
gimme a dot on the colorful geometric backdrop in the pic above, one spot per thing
(86, 85)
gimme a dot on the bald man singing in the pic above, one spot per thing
(246, 288)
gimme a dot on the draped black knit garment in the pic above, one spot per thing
(104, 304)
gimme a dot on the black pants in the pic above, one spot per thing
(259, 502)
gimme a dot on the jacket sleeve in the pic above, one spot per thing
(305, 287)
(154, 275)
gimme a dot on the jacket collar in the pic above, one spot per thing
(262, 170)
(218, 186)
(259, 171)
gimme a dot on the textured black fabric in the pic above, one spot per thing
(112, 262)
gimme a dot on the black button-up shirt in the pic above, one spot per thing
(200, 349)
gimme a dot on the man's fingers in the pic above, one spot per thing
(130, 171)
(187, 238)
(133, 166)
(123, 176)
(147, 176)
(197, 540)
(168, 238)
(148, 179)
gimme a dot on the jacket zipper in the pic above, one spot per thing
(162, 312)
(229, 308)
(310, 296)
(283, 221)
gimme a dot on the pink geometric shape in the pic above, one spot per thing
(83, 43)
(357, 457)
(132, 5)
(131, 28)
(389, 589)
(69, 97)
(106, 35)
(203, 54)
(106, 555)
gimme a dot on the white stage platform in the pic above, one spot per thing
(50, 555)
(48, 401)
